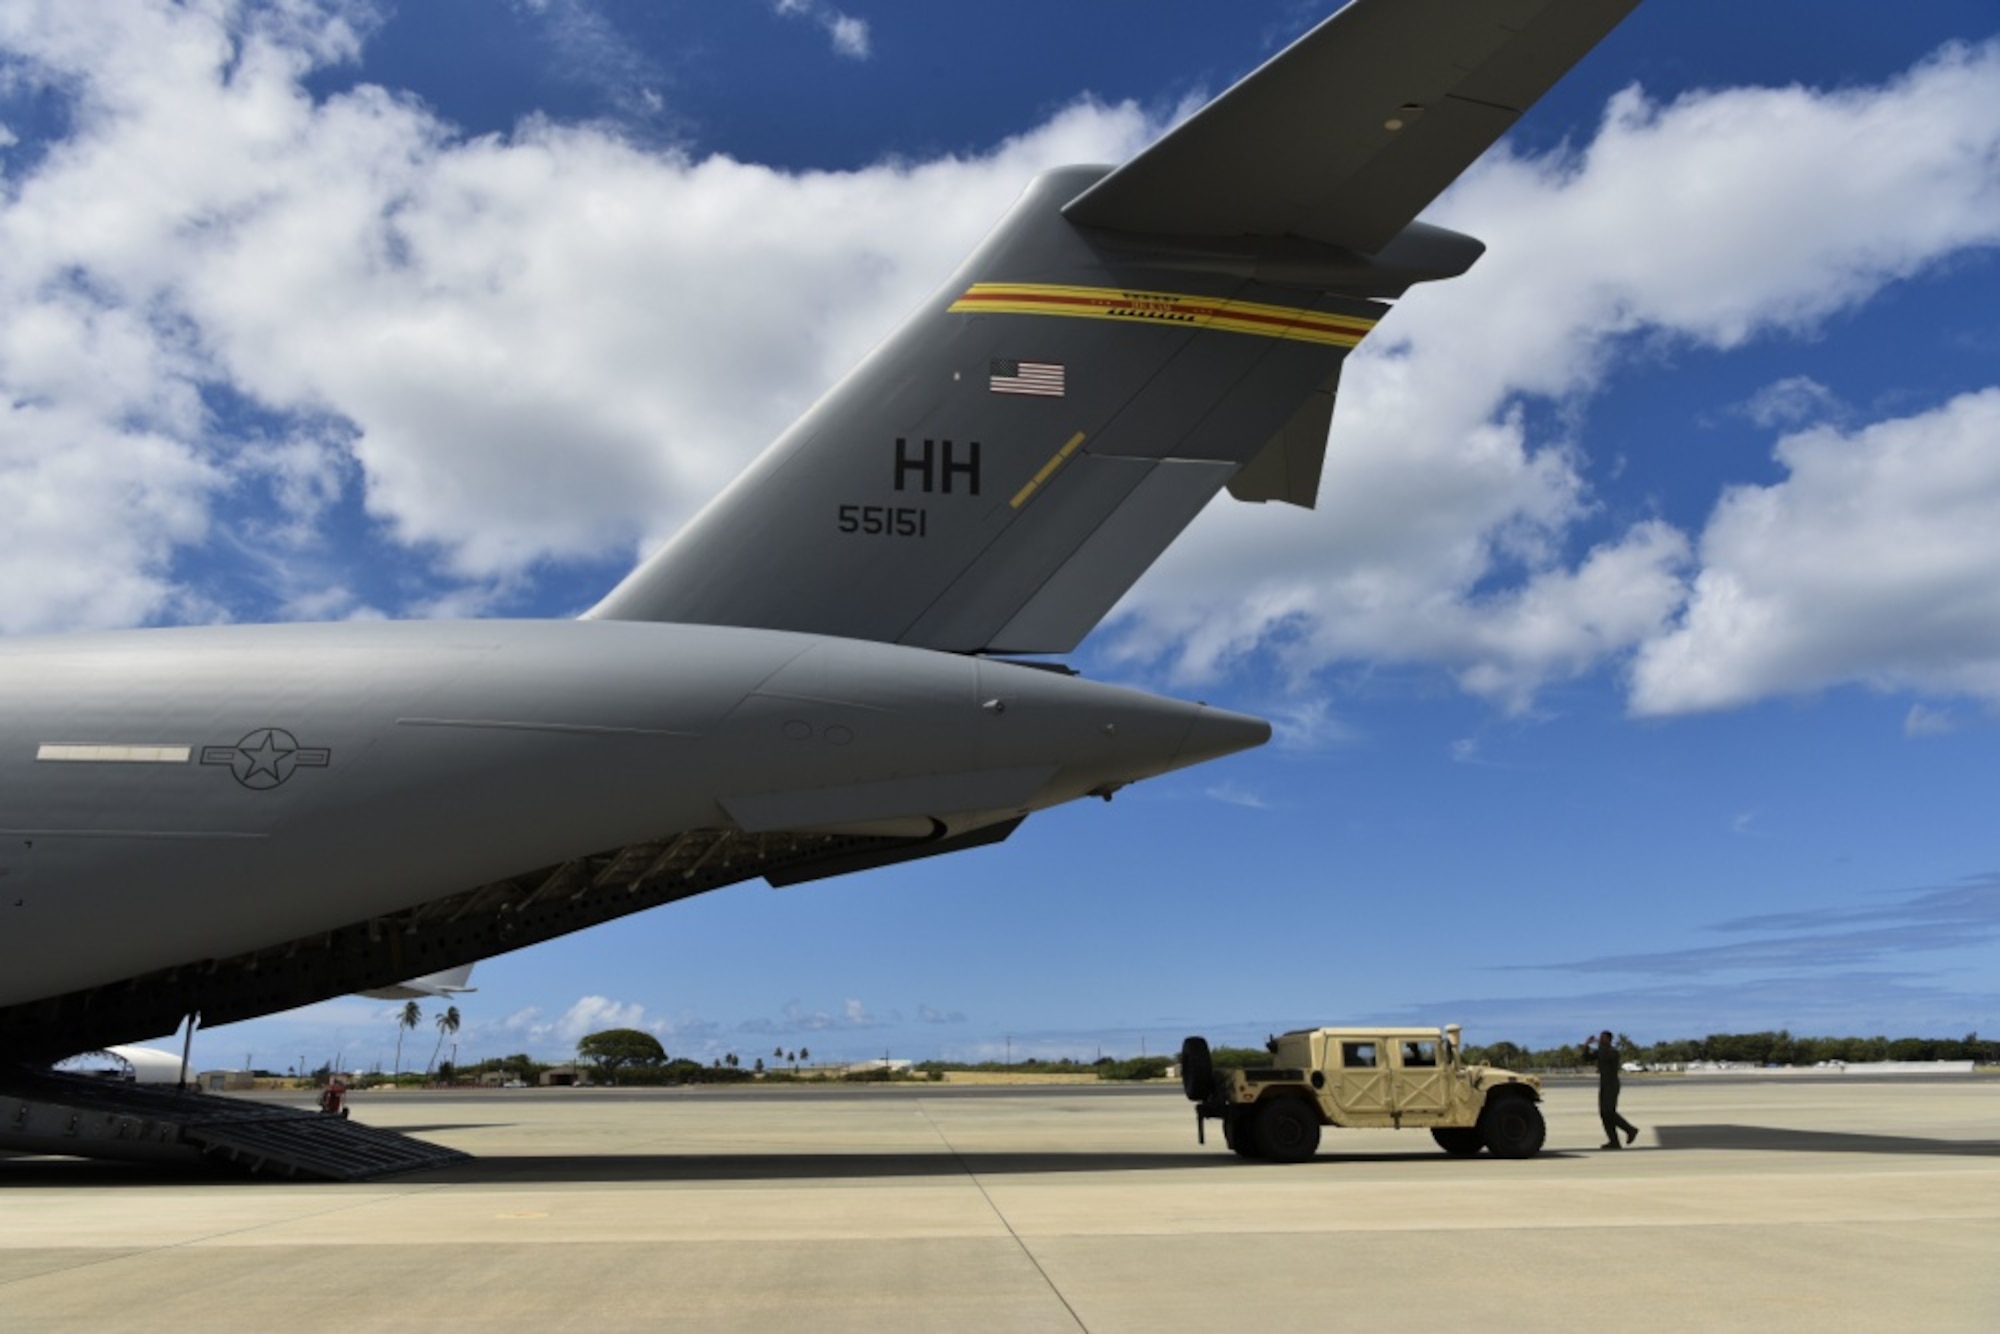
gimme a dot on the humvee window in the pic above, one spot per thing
(1420, 1055)
(1358, 1055)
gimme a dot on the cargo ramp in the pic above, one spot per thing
(43, 1112)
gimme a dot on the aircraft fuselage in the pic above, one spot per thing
(180, 795)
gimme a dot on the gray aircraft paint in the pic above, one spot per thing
(449, 756)
(239, 820)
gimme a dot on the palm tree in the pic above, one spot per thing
(409, 1019)
(447, 1024)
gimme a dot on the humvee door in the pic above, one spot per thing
(1359, 1081)
(1424, 1085)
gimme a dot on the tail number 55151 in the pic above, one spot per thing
(884, 520)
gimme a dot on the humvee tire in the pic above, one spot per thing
(1240, 1133)
(1197, 1069)
(1459, 1141)
(1512, 1127)
(1286, 1130)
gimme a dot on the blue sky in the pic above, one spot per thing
(1639, 668)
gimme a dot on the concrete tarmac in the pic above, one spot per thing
(1807, 1203)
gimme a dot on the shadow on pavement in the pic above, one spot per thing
(1770, 1139)
(432, 1128)
(876, 1166)
(502, 1169)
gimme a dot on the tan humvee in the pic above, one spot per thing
(1400, 1078)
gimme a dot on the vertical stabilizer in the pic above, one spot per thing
(1125, 344)
(999, 472)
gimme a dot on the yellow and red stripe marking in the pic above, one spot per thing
(1199, 312)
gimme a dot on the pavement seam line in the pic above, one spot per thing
(924, 1110)
(137, 1251)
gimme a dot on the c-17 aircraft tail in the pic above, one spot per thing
(236, 820)
(1126, 343)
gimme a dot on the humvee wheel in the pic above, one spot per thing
(1197, 1069)
(1512, 1127)
(1286, 1130)
(1459, 1141)
(1240, 1132)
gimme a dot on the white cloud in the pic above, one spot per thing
(796, 1018)
(95, 514)
(546, 347)
(553, 346)
(1877, 560)
(1443, 518)
(590, 1014)
(1306, 723)
(1924, 721)
(1792, 401)
(588, 49)
(1235, 794)
(595, 1014)
(849, 34)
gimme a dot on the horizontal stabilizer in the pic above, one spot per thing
(1346, 135)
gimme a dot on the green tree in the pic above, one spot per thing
(1136, 1067)
(447, 1024)
(411, 1016)
(1233, 1058)
(616, 1047)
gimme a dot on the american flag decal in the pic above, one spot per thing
(1043, 379)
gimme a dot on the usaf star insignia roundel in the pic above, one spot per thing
(267, 757)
